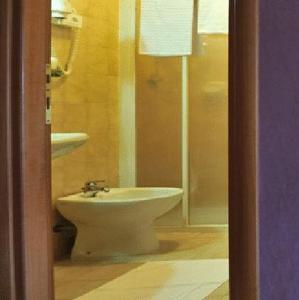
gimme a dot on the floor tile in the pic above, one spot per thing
(176, 244)
(166, 280)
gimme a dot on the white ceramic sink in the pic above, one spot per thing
(64, 143)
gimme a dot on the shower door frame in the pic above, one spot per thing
(25, 223)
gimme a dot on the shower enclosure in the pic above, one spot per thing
(174, 123)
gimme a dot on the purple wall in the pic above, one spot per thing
(279, 149)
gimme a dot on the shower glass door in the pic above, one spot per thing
(208, 132)
(161, 130)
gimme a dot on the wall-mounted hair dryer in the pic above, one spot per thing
(63, 14)
(61, 8)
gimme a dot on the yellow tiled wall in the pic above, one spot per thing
(159, 123)
(87, 100)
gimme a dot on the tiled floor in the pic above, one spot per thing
(165, 280)
(75, 279)
(222, 293)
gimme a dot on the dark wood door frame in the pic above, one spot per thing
(25, 214)
(243, 193)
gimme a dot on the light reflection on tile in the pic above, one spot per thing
(165, 281)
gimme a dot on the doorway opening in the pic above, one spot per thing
(25, 146)
(145, 134)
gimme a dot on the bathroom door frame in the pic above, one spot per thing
(25, 157)
(25, 201)
(243, 143)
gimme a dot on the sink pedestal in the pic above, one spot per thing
(93, 243)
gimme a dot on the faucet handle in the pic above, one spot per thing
(92, 185)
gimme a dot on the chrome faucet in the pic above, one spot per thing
(95, 186)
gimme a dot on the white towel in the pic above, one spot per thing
(213, 16)
(166, 27)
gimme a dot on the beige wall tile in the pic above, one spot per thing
(87, 101)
